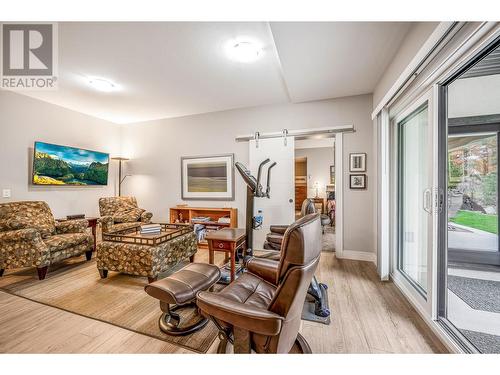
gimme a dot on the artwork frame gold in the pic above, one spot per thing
(208, 177)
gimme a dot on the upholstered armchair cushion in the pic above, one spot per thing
(72, 226)
(111, 206)
(27, 214)
(256, 319)
(129, 215)
(60, 242)
(28, 234)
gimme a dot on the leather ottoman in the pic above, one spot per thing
(179, 291)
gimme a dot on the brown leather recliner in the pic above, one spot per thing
(317, 291)
(262, 309)
(275, 237)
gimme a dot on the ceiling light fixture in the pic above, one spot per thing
(244, 51)
(102, 85)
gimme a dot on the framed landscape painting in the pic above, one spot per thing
(64, 165)
(208, 177)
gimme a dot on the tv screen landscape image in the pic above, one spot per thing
(63, 165)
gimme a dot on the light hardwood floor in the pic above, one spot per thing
(368, 316)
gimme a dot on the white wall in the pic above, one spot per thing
(413, 41)
(156, 147)
(319, 161)
(475, 96)
(23, 121)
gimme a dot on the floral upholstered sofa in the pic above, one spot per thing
(30, 237)
(121, 213)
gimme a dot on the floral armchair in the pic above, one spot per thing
(30, 237)
(121, 213)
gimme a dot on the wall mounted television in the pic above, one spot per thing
(64, 165)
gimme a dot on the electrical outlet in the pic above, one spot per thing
(6, 193)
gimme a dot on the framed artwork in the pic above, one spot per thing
(68, 166)
(357, 181)
(332, 174)
(207, 177)
(357, 162)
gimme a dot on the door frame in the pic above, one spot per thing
(422, 302)
(339, 195)
(442, 170)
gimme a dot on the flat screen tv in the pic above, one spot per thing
(63, 165)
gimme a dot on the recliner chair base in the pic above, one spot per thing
(169, 321)
(301, 346)
(317, 291)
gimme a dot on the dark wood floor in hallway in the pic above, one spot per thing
(368, 316)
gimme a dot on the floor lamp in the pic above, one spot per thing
(120, 179)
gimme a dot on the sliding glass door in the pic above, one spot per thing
(469, 251)
(414, 197)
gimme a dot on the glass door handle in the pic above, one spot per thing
(427, 201)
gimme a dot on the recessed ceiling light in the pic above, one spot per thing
(102, 85)
(245, 51)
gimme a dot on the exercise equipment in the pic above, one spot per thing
(254, 190)
(316, 289)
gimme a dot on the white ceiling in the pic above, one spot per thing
(323, 60)
(173, 69)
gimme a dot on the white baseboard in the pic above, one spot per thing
(358, 255)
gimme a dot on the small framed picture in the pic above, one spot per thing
(357, 162)
(357, 181)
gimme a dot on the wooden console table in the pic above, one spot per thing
(188, 214)
(228, 240)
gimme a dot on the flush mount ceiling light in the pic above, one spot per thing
(245, 51)
(102, 85)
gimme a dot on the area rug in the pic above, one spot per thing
(484, 342)
(477, 293)
(75, 286)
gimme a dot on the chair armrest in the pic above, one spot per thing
(23, 248)
(27, 234)
(279, 229)
(266, 269)
(72, 226)
(238, 314)
(106, 223)
(146, 217)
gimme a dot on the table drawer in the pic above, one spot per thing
(221, 245)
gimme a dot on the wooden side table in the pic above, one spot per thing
(228, 240)
(92, 224)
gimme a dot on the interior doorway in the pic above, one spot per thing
(315, 180)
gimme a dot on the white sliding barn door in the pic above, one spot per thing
(280, 207)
